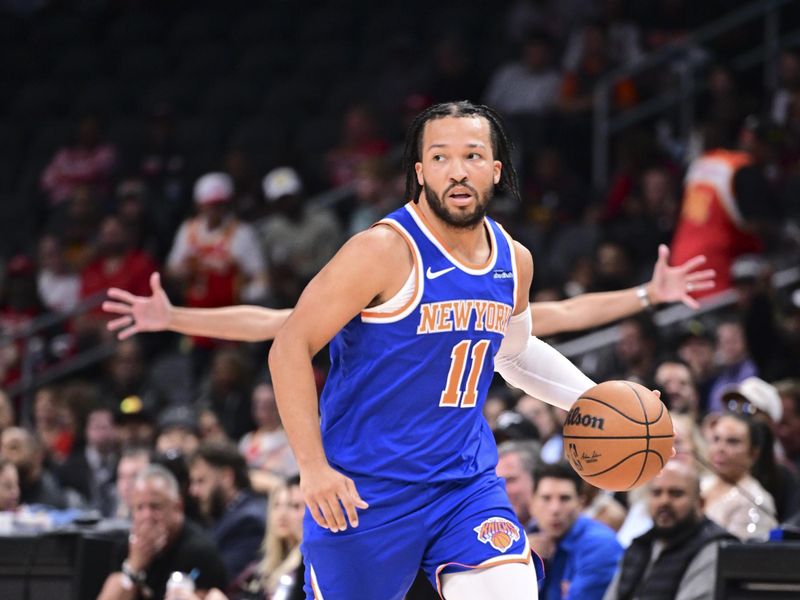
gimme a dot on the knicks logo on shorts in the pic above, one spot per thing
(498, 532)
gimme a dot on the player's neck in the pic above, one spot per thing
(470, 244)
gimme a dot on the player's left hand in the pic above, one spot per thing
(674, 284)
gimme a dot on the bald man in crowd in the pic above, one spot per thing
(677, 558)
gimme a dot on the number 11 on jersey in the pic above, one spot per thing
(452, 396)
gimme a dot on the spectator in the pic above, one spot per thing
(227, 391)
(7, 416)
(734, 499)
(373, 192)
(760, 400)
(37, 484)
(734, 357)
(359, 141)
(215, 257)
(132, 463)
(135, 424)
(298, 239)
(677, 557)
(580, 554)
(127, 376)
(178, 431)
(726, 203)
(116, 264)
(162, 541)
(267, 449)
(695, 346)
(623, 37)
(88, 161)
(59, 287)
(527, 87)
(634, 355)
(576, 99)
(675, 380)
(601, 506)
(91, 467)
(19, 306)
(788, 86)
(788, 430)
(161, 162)
(147, 232)
(9, 486)
(516, 463)
(53, 424)
(210, 427)
(235, 517)
(543, 416)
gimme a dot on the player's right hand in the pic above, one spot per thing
(326, 492)
(140, 313)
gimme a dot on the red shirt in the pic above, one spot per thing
(132, 273)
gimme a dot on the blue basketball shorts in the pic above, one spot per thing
(441, 527)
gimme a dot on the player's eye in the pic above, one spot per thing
(438, 158)
(473, 156)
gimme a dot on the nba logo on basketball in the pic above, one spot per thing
(498, 532)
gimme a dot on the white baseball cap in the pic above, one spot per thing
(760, 394)
(280, 182)
(213, 187)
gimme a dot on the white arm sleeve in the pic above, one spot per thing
(538, 369)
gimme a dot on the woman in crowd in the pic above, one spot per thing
(734, 498)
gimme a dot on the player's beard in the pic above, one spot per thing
(461, 219)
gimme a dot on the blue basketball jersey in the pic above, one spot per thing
(405, 393)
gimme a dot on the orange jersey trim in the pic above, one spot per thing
(414, 297)
(441, 242)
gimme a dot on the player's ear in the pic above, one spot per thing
(418, 169)
(497, 166)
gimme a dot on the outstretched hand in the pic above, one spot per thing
(139, 313)
(673, 284)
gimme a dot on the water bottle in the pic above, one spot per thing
(180, 582)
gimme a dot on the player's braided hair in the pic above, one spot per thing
(501, 145)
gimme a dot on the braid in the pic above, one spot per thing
(501, 145)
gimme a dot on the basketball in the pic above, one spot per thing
(618, 435)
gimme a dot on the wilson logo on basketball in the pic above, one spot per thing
(575, 417)
(498, 532)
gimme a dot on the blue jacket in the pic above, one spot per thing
(239, 532)
(583, 564)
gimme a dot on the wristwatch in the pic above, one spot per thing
(139, 578)
(643, 296)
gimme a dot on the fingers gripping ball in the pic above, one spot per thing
(618, 435)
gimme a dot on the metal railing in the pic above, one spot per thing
(32, 347)
(668, 316)
(685, 59)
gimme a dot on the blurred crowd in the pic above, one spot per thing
(166, 412)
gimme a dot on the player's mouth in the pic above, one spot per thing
(460, 197)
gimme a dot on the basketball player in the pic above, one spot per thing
(245, 323)
(422, 303)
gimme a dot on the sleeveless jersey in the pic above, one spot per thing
(710, 221)
(405, 393)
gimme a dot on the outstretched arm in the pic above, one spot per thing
(668, 284)
(155, 313)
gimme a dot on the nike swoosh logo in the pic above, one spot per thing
(434, 274)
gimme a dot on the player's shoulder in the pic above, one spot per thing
(380, 242)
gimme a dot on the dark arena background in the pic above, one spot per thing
(129, 129)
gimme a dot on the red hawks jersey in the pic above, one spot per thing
(710, 222)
